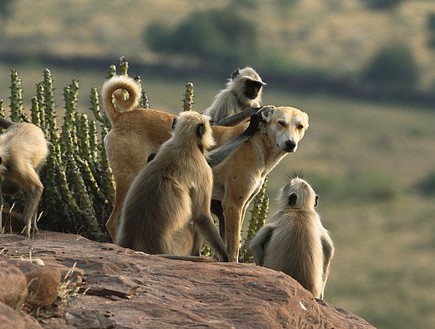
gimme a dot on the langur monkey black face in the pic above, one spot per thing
(252, 88)
(252, 82)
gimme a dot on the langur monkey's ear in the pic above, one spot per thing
(292, 198)
(200, 129)
(235, 74)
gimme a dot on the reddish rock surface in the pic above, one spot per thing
(13, 285)
(119, 288)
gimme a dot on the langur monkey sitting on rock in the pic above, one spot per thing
(169, 201)
(137, 134)
(23, 151)
(239, 100)
(294, 241)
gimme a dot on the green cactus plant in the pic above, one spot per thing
(16, 98)
(188, 97)
(144, 97)
(78, 183)
(2, 109)
(123, 66)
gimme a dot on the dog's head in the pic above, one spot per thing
(285, 125)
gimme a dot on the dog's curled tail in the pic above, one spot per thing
(114, 96)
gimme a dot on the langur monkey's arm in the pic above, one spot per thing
(328, 253)
(237, 118)
(259, 242)
(221, 153)
(218, 155)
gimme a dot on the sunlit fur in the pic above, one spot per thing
(137, 134)
(233, 99)
(114, 91)
(23, 151)
(294, 241)
(170, 198)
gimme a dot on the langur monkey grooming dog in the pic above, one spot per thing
(243, 91)
(133, 130)
(23, 151)
(137, 134)
(294, 241)
(170, 198)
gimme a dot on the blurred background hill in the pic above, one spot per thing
(389, 43)
(364, 70)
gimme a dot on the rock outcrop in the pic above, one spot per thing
(106, 286)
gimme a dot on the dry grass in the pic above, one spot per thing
(338, 36)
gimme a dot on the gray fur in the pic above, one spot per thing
(229, 105)
(169, 201)
(23, 151)
(294, 241)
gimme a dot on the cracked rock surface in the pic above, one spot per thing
(106, 286)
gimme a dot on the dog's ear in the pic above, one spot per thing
(200, 129)
(307, 119)
(292, 198)
(266, 112)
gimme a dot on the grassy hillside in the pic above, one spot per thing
(337, 36)
(365, 160)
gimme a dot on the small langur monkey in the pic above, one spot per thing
(239, 100)
(169, 200)
(23, 151)
(294, 241)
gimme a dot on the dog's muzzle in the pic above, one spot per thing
(290, 146)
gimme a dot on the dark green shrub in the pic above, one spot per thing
(393, 65)
(427, 185)
(215, 35)
(363, 187)
(431, 28)
(382, 4)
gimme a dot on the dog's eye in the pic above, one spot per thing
(282, 123)
(300, 126)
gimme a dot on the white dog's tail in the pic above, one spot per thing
(113, 94)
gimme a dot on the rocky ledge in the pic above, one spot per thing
(66, 281)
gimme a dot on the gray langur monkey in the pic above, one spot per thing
(137, 135)
(239, 100)
(23, 151)
(169, 200)
(294, 241)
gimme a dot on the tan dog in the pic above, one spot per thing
(137, 134)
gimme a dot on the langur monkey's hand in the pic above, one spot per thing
(253, 124)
